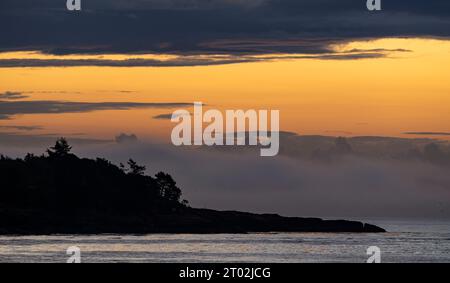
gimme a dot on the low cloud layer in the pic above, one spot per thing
(428, 133)
(350, 186)
(331, 149)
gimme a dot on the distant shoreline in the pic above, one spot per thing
(191, 221)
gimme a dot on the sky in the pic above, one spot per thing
(109, 76)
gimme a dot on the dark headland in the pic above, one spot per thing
(60, 193)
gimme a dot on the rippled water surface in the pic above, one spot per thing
(406, 241)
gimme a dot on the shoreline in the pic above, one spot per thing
(185, 221)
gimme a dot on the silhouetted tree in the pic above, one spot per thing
(61, 190)
(168, 187)
(136, 169)
(122, 167)
(29, 157)
(60, 149)
(2, 157)
(185, 203)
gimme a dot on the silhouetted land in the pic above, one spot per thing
(59, 193)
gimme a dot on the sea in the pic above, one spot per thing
(407, 241)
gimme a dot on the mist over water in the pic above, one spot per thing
(353, 186)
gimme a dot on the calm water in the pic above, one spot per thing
(406, 241)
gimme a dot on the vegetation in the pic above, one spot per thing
(60, 193)
(60, 183)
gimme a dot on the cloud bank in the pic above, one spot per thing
(211, 26)
(12, 108)
(352, 185)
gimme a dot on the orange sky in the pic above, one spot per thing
(408, 91)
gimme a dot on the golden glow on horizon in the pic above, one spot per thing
(407, 91)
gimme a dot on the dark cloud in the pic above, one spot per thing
(11, 108)
(51, 92)
(167, 116)
(9, 95)
(22, 128)
(124, 138)
(163, 117)
(212, 26)
(186, 60)
(8, 63)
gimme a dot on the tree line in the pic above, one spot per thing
(61, 182)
